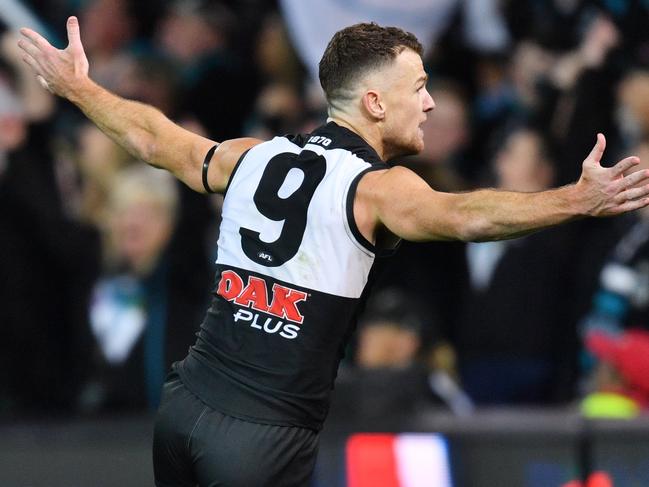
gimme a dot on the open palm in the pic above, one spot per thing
(61, 70)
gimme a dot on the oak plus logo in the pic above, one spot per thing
(281, 304)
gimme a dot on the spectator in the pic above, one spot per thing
(141, 317)
(47, 259)
(279, 110)
(620, 380)
(98, 160)
(582, 69)
(111, 32)
(389, 380)
(216, 84)
(431, 273)
(633, 108)
(622, 299)
(389, 336)
(447, 135)
(516, 326)
(151, 78)
(274, 54)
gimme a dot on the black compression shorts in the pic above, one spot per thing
(195, 445)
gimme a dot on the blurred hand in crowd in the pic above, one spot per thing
(37, 103)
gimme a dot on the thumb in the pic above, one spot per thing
(598, 150)
(74, 36)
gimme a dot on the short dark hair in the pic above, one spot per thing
(356, 49)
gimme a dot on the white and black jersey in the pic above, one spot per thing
(291, 269)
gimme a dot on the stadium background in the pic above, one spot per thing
(105, 266)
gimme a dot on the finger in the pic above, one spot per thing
(598, 150)
(634, 205)
(635, 178)
(35, 38)
(74, 34)
(624, 165)
(29, 48)
(632, 194)
(32, 63)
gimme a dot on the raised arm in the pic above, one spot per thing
(141, 129)
(404, 204)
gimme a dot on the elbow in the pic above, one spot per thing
(475, 230)
(467, 234)
(457, 219)
(142, 146)
(470, 224)
(451, 227)
(149, 151)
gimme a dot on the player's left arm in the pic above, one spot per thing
(399, 201)
(142, 130)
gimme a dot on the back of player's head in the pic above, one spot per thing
(356, 50)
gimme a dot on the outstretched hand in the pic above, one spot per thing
(613, 190)
(60, 71)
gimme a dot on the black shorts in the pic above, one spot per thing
(195, 445)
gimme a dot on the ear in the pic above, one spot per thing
(373, 104)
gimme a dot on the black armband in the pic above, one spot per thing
(206, 166)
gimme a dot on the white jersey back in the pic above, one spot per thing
(330, 257)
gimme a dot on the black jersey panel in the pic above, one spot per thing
(269, 350)
(333, 136)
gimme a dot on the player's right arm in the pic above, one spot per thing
(141, 129)
(402, 203)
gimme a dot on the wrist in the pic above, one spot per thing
(576, 200)
(81, 90)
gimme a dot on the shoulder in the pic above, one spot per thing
(233, 149)
(226, 157)
(389, 182)
(382, 191)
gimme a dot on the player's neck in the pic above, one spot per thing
(369, 133)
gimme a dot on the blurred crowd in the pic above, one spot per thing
(106, 263)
